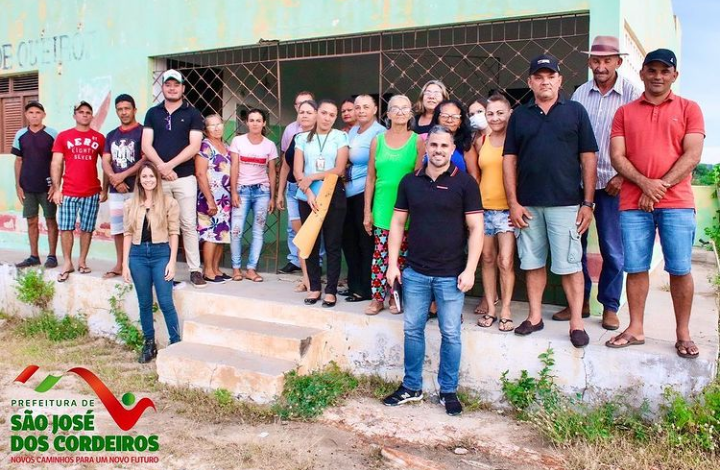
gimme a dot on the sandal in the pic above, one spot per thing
(300, 287)
(374, 308)
(84, 270)
(479, 311)
(237, 277)
(686, 345)
(394, 308)
(255, 278)
(110, 274)
(506, 324)
(629, 339)
(482, 322)
(65, 275)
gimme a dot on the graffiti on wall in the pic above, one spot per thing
(36, 52)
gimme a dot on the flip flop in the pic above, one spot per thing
(110, 274)
(503, 325)
(84, 270)
(256, 278)
(686, 345)
(478, 311)
(64, 275)
(485, 318)
(630, 340)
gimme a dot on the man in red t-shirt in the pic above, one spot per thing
(76, 151)
(656, 142)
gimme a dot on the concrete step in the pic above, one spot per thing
(245, 375)
(289, 342)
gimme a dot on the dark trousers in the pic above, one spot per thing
(357, 247)
(147, 267)
(331, 231)
(607, 221)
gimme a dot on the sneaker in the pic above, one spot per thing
(29, 262)
(289, 268)
(226, 277)
(197, 281)
(177, 285)
(453, 407)
(51, 262)
(403, 395)
(214, 280)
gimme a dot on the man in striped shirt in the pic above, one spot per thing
(601, 97)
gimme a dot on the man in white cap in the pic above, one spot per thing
(602, 96)
(172, 134)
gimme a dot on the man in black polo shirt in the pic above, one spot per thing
(445, 211)
(32, 147)
(549, 153)
(171, 138)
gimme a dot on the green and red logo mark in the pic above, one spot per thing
(125, 418)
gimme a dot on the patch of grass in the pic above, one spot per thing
(373, 386)
(128, 332)
(53, 328)
(216, 407)
(33, 289)
(471, 401)
(306, 396)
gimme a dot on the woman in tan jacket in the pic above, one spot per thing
(152, 230)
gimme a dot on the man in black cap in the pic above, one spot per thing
(32, 147)
(549, 151)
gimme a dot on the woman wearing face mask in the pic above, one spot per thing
(499, 246)
(478, 120)
(152, 230)
(452, 115)
(287, 187)
(431, 94)
(252, 187)
(357, 244)
(347, 114)
(318, 153)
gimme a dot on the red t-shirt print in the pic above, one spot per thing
(80, 153)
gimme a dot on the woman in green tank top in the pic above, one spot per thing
(393, 154)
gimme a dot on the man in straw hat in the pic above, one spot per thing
(602, 96)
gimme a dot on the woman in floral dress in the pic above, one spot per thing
(212, 169)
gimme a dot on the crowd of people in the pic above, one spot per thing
(427, 191)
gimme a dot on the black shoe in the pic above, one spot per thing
(453, 407)
(579, 338)
(345, 292)
(51, 262)
(289, 268)
(311, 300)
(215, 280)
(329, 303)
(226, 277)
(149, 351)
(403, 395)
(30, 261)
(197, 281)
(356, 298)
(178, 285)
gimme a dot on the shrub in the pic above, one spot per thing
(128, 333)
(33, 289)
(53, 328)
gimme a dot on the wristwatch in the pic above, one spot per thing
(589, 204)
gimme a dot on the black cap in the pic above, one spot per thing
(34, 104)
(666, 56)
(81, 104)
(544, 61)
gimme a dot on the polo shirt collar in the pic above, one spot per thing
(617, 87)
(451, 171)
(561, 100)
(185, 104)
(670, 97)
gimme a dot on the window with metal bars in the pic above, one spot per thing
(15, 93)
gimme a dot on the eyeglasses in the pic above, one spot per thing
(399, 110)
(451, 117)
(432, 93)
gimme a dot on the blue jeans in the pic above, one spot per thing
(147, 265)
(607, 222)
(676, 228)
(418, 291)
(257, 198)
(293, 214)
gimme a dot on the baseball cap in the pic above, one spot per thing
(34, 104)
(666, 56)
(544, 61)
(172, 74)
(81, 104)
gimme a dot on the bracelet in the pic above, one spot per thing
(589, 204)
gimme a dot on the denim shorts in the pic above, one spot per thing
(551, 229)
(497, 222)
(292, 202)
(676, 228)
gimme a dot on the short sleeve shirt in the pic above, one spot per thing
(320, 154)
(171, 133)
(437, 235)
(35, 149)
(81, 150)
(253, 159)
(289, 134)
(359, 156)
(654, 142)
(125, 149)
(548, 148)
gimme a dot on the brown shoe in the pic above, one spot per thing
(564, 314)
(374, 308)
(610, 320)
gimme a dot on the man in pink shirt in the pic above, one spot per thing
(656, 142)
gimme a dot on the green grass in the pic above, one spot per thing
(33, 289)
(53, 328)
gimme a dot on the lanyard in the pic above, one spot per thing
(322, 146)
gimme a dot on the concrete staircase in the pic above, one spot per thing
(247, 357)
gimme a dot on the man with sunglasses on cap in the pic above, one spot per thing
(656, 142)
(32, 147)
(549, 172)
(171, 138)
(602, 96)
(74, 164)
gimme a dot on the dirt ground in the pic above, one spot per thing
(194, 436)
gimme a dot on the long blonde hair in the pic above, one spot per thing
(137, 202)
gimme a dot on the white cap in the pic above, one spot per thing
(172, 74)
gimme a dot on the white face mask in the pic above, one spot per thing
(478, 122)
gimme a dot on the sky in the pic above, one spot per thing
(699, 67)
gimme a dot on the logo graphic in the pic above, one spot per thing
(125, 418)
